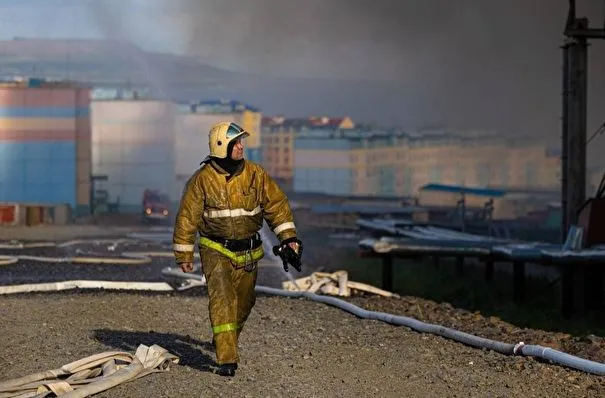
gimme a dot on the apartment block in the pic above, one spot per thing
(279, 134)
(389, 162)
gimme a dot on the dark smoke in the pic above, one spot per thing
(463, 64)
(485, 64)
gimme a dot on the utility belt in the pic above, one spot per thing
(238, 245)
(252, 248)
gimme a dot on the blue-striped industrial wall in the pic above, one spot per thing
(45, 112)
(45, 144)
(38, 172)
(328, 181)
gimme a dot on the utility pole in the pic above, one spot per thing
(574, 119)
(578, 291)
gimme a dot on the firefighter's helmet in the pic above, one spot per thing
(221, 134)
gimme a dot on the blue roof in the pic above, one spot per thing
(233, 104)
(216, 106)
(463, 189)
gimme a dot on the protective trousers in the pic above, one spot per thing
(231, 298)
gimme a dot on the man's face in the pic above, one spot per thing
(238, 150)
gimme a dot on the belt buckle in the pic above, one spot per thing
(249, 266)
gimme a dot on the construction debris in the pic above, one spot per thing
(90, 375)
(336, 284)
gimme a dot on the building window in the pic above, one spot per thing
(531, 174)
(459, 175)
(436, 174)
(407, 181)
(504, 175)
(483, 174)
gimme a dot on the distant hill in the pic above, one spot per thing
(116, 63)
(101, 61)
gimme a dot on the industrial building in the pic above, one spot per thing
(45, 144)
(386, 163)
(140, 142)
(336, 156)
(278, 136)
(133, 148)
(193, 123)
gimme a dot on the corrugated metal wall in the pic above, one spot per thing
(83, 153)
(39, 128)
(133, 144)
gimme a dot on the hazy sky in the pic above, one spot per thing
(379, 39)
(492, 61)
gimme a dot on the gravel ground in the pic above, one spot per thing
(589, 347)
(290, 347)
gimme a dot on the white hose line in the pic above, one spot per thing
(85, 284)
(545, 353)
(8, 260)
(34, 245)
(127, 258)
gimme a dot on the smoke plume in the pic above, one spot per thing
(465, 64)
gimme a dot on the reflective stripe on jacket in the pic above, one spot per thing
(233, 209)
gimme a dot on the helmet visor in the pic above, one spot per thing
(235, 131)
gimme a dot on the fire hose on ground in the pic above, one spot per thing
(529, 350)
(90, 375)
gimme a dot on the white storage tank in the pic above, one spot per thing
(133, 145)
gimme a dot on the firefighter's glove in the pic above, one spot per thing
(186, 267)
(290, 251)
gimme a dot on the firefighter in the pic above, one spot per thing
(226, 201)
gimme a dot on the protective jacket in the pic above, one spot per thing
(213, 206)
(224, 209)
